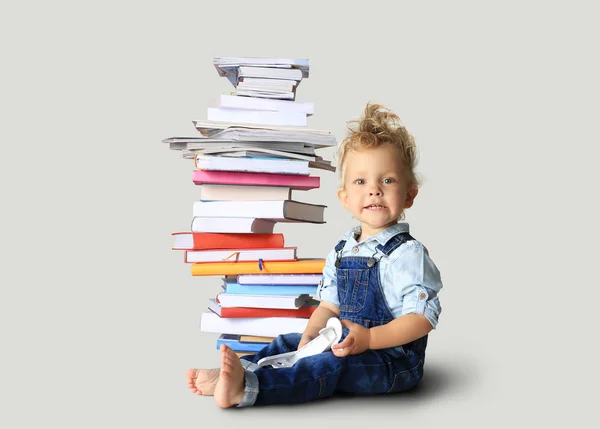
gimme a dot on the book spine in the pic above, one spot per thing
(238, 346)
(234, 101)
(256, 117)
(204, 241)
(235, 288)
(266, 267)
(267, 326)
(296, 182)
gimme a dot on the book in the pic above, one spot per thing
(240, 354)
(291, 290)
(200, 241)
(232, 225)
(294, 182)
(279, 279)
(264, 301)
(262, 326)
(277, 254)
(254, 165)
(316, 162)
(233, 342)
(275, 86)
(228, 66)
(255, 116)
(277, 211)
(252, 267)
(250, 151)
(275, 95)
(262, 133)
(254, 339)
(270, 72)
(244, 193)
(254, 103)
(261, 81)
(205, 143)
(251, 312)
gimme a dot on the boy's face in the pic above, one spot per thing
(374, 188)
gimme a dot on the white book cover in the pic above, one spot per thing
(276, 87)
(253, 103)
(232, 225)
(255, 152)
(263, 301)
(266, 94)
(285, 147)
(261, 326)
(252, 165)
(270, 72)
(264, 81)
(256, 116)
(234, 255)
(244, 193)
(279, 279)
(279, 211)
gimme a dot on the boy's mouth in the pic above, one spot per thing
(375, 207)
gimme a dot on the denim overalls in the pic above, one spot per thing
(362, 301)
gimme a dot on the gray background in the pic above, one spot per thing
(100, 318)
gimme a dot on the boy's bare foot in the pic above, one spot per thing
(229, 390)
(202, 381)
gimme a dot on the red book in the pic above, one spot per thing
(244, 312)
(201, 241)
(292, 181)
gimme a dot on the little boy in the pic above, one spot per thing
(378, 280)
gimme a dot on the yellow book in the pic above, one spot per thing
(240, 354)
(232, 268)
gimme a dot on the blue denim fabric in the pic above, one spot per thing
(409, 278)
(362, 301)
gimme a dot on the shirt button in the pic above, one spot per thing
(355, 249)
(421, 295)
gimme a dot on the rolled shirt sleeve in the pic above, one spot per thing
(327, 290)
(415, 282)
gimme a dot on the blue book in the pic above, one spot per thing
(269, 289)
(233, 341)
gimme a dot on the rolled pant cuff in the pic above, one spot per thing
(250, 388)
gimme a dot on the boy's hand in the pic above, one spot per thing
(356, 342)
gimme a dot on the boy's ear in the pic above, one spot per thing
(343, 197)
(411, 194)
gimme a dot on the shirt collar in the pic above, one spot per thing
(381, 237)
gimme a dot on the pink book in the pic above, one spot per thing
(293, 181)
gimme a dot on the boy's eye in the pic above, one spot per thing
(359, 182)
(388, 180)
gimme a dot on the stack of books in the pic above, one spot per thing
(252, 158)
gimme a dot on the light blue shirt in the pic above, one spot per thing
(409, 278)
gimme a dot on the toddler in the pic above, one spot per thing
(378, 280)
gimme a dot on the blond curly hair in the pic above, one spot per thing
(379, 126)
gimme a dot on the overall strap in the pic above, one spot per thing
(338, 249)
(340, 245)
(394, 242)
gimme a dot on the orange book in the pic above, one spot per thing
(299, 266)
(205, 240)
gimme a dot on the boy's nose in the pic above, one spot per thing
(375, 192)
